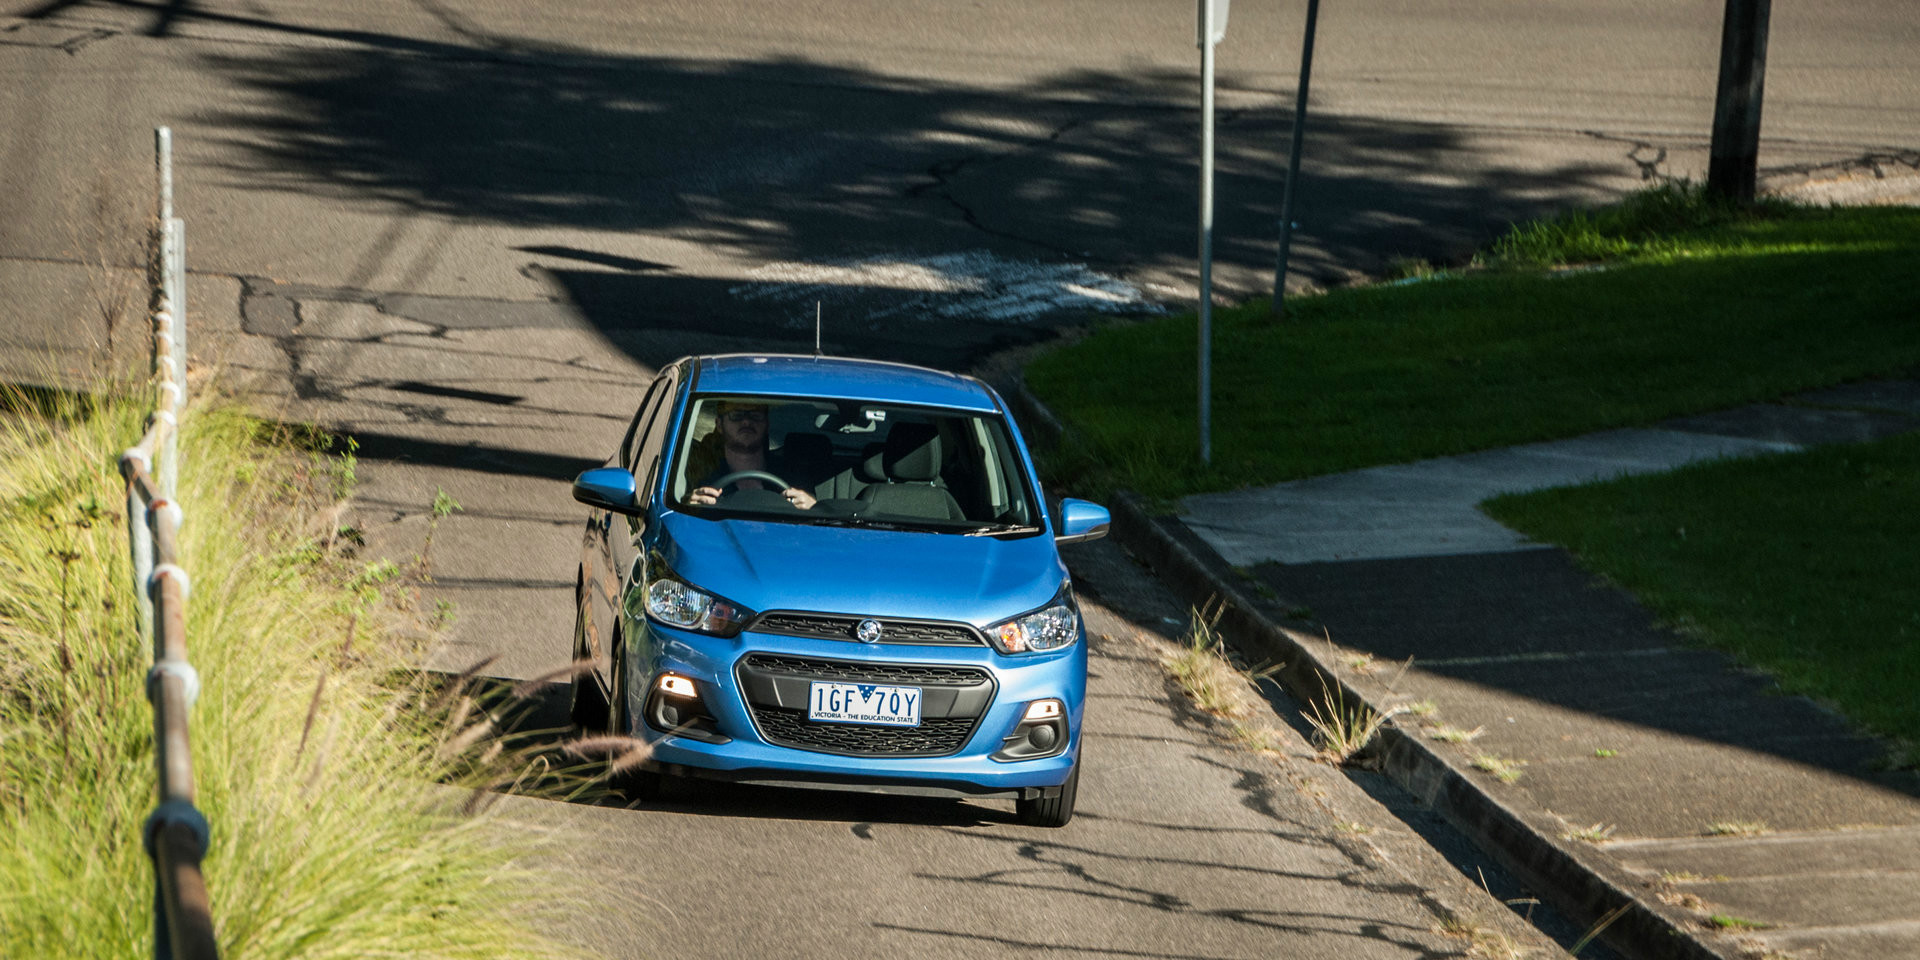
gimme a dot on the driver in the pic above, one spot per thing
(740, 443)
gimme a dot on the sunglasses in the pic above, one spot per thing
(745, 416)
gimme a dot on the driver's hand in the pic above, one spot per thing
(703, 496)
(799, 498)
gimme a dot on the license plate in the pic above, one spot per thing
(871, 703)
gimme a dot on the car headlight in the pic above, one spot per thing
(1052, 627)
(677, 603)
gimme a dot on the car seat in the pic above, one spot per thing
(910, 467)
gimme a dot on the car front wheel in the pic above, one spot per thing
(1056, 810)
(588, 708)
(633, 782)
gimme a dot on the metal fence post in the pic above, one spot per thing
(177, 296)
(163, 156)
(167, 458)
(172, 262)
(139, 537)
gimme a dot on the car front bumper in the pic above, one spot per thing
(748, 754)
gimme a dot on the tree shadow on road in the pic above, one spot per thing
(792, 160)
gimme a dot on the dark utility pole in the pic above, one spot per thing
(1736, 112)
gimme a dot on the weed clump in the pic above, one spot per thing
(1340, 730)
(1504, 769)
(1203, 667)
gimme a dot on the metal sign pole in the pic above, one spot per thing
(1212, 29)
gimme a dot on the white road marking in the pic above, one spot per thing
(975, 285)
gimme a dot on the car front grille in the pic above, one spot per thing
(776, 688)
(836, 626)
(917, 674)
(932, 738)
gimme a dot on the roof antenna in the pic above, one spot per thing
(816, 328)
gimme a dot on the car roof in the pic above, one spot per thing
(793, 375)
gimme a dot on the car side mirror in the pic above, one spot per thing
(1081, 521)
(608, 488)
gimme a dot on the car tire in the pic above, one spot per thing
(616, 723)
(639, 784)
(646, 785)
(587, 707)
(654, 786)
(1054, 811)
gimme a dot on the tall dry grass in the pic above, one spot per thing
(334, 834)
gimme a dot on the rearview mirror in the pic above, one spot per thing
(609, 488)
(1081, 521)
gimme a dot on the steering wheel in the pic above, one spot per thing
(739, 475)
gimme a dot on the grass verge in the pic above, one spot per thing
(317, 770)
(1698, 307)
(1801, 564)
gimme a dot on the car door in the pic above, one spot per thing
(607, 555)
(643, 457)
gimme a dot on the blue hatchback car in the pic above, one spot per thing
(825, 572)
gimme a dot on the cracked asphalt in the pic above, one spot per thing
(468, 232)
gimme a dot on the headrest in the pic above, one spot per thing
(912, 453)
(871, 469)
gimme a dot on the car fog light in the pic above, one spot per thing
(1043, 710)
(1043, 737)
(675, 707)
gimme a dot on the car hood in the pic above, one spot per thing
(867, 572)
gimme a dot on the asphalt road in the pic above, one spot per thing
(603, 153)
(1185, 846)
(469, 231)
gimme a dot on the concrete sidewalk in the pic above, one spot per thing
(1737, 822)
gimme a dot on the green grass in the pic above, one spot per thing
(330, 837)
(1699, 308)
(1670, 220)
(1802, 564)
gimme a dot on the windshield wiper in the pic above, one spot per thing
(847, 520)
(999, 528)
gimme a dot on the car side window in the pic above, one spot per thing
(653, 434)
(630, 444)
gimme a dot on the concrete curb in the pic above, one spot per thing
(1581, 881)
(1850, 180)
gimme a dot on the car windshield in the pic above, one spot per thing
(851, 463)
